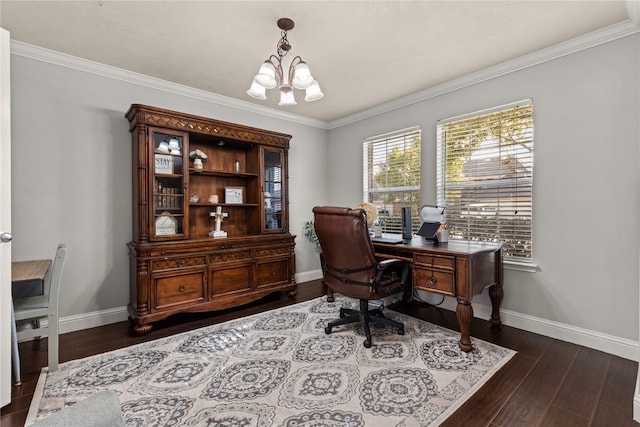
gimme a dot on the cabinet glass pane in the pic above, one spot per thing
(272, 189)
(168, 184)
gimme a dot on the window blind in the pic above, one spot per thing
(391, 175)
(485, 176)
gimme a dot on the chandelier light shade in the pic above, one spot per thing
(278, 71)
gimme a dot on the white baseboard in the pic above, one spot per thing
(94, 319)
(308, 276)
(610, 344)
(622, 347)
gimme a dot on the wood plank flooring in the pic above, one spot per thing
(548, 383)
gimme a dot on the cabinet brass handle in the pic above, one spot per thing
(273, 252)
(433, 280)
(180, 263)
(273, 273)
(181, 288)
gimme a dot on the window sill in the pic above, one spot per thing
(526, 266)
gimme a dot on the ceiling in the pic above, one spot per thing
(363, 53)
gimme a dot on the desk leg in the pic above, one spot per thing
(495, 294)
(464, 313)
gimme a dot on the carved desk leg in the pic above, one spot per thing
(495, 294)
(464, 313)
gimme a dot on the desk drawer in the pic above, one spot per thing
(434, 280)
(438, 261)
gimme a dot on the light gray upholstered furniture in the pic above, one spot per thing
(98, 410)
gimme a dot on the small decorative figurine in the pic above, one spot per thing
(194, 198)
(218, 215)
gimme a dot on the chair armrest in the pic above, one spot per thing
(392, 263)
(389, 262)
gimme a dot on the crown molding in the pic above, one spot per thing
(577, 44)
(613, 32)
(57, 58)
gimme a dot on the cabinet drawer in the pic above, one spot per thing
(231, 256)
(439, 261)
(270, 273)
(271, 252)
(174, 291)
(434, 280)
(230, 280)
(169, 263)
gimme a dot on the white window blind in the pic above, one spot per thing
(485, 176)
(391, 175)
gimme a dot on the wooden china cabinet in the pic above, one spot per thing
(178, 261)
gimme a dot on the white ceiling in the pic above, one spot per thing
(363, 53)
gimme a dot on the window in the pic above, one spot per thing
(391, 168)
(485, 177)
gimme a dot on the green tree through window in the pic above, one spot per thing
(392, 174)
(485, 176)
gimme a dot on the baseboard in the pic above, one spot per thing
(622, 347)
(308, 276)
(94, 319)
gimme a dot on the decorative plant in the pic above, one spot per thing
(310, 233)
(197, 154)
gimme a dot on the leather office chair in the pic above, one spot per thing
(44, 307)
(350, 268)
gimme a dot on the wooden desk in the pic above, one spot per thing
(458, 268)
(27, 271)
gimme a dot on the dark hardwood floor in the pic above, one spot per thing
(547, 383)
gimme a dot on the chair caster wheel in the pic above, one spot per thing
(367, 343)
(327, 330)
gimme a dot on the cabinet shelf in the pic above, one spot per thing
(224, 205)
(205, 172)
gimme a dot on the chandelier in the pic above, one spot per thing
(272, 73)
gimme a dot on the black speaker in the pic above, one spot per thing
(407, 232)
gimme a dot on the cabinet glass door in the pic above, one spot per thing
(273, 189)
(168, 179)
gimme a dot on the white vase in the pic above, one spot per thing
(197, 163)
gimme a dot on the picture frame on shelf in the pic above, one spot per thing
(234, 195)
(164, 164)
(166, 224)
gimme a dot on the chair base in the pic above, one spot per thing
(364, 316)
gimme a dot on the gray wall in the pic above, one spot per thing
(71, 177)
(586, 189)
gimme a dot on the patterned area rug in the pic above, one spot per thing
(279, 368)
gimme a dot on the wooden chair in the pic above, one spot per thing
(350, 268)
(44, 307)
